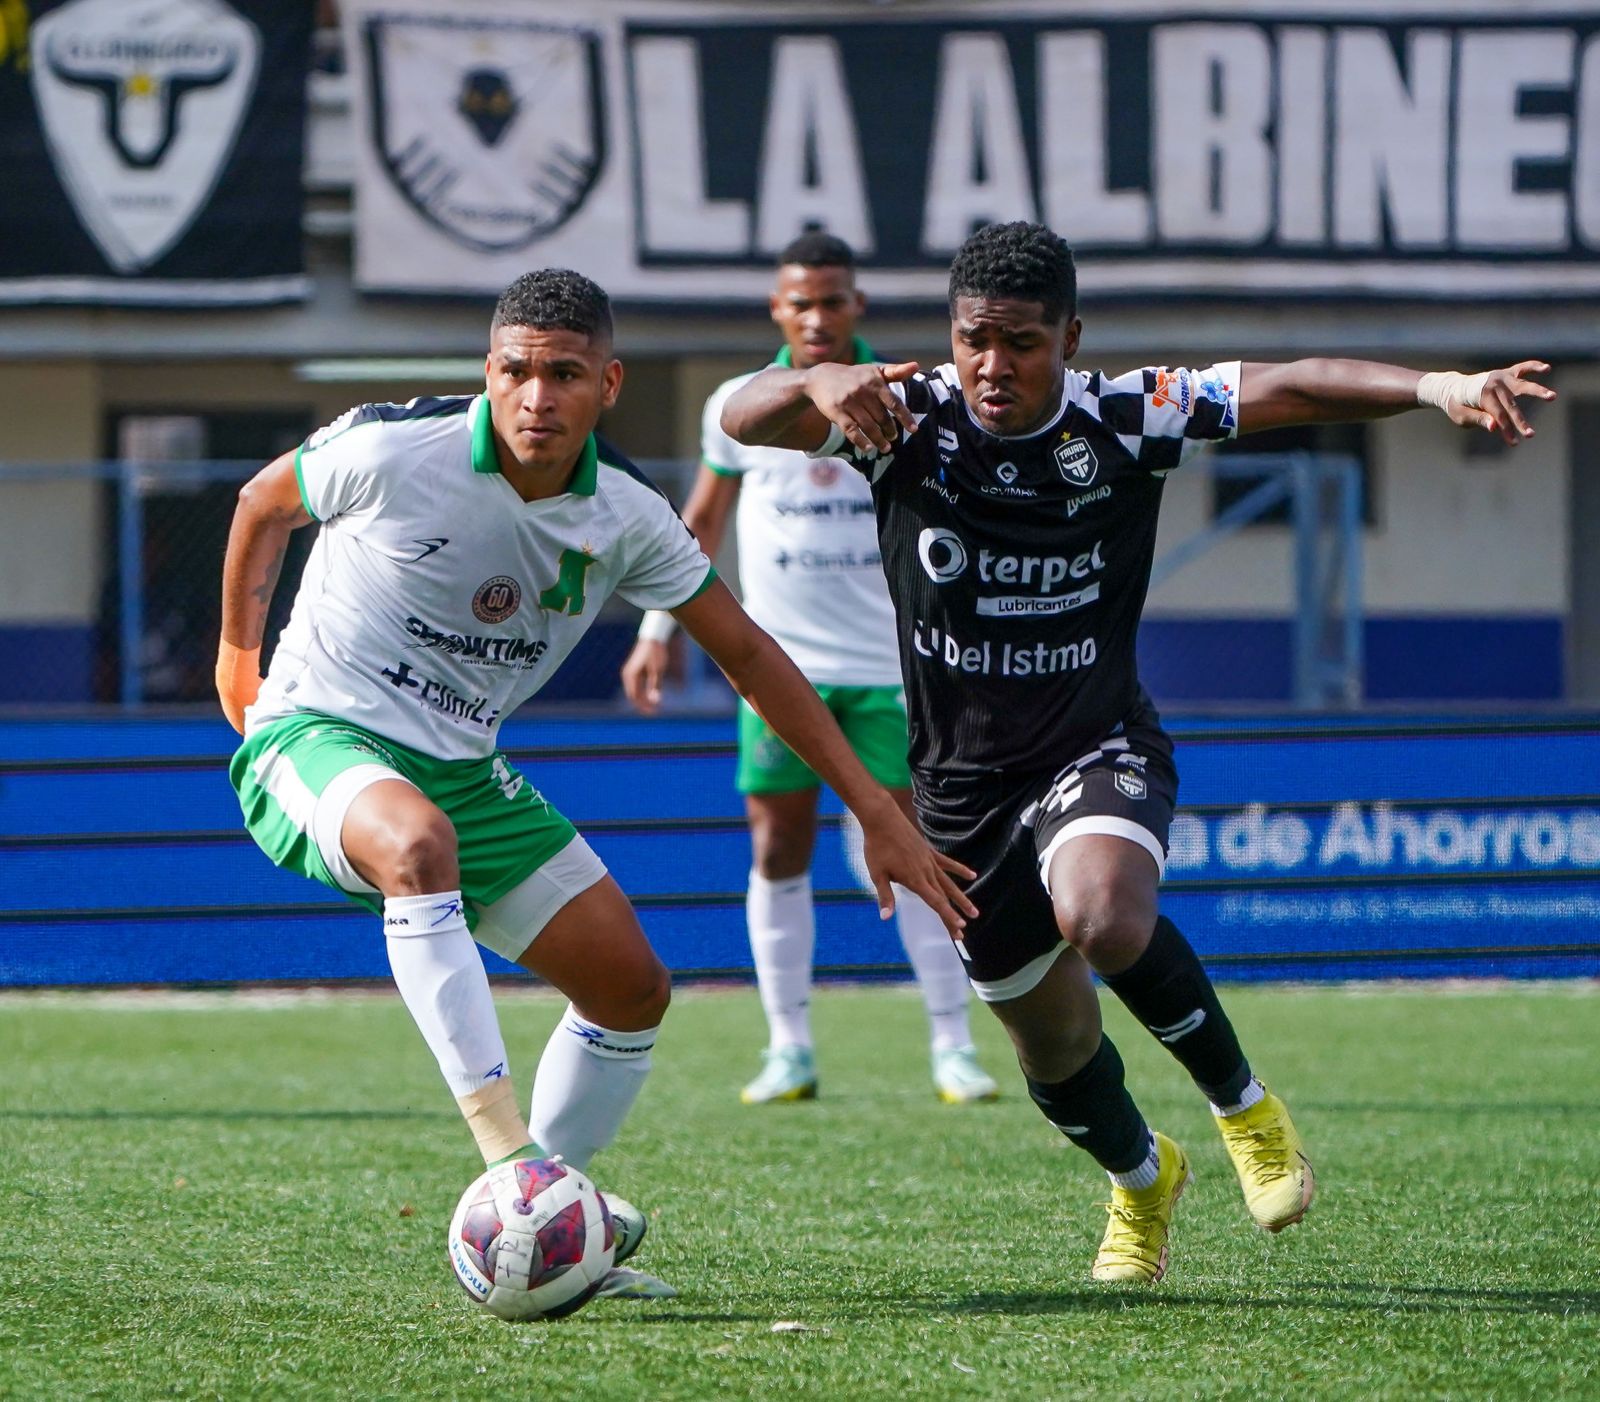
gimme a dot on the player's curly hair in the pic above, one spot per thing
(817, 248)
(1024, 261)
(555, 299)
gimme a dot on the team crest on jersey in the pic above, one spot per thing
(824, 472)
(492, 128)
(141, 102)
(1076, 460)
(497, 599)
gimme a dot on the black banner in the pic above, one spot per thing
(151, 151)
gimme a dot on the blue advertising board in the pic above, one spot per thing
(1302, 849)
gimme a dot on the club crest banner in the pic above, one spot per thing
(1274, 150)
(153, 151)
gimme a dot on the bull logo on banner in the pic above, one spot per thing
(141, 102)
(492, 129)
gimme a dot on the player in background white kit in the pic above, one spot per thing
(466, 545)
(810, 574)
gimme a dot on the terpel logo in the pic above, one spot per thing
(943, 555)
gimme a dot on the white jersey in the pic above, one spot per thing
(809, 562)
(436, 600)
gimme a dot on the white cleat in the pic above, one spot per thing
(629, 1224)
(958, 1078)
(621, 1283)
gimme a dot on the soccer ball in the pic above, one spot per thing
(531, 1239)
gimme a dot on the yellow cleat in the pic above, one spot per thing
(1134, 1248)
(1271, 1162)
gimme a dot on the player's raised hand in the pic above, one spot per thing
(642, 674)
(896, 852)
(859, 399)
(1488, 400)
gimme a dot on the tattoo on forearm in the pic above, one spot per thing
(263, 593)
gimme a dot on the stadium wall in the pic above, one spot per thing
(1305, 850)
(1467, 556)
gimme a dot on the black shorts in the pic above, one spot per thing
(1007, 828)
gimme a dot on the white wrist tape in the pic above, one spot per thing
(1445, 389)
(657, 626)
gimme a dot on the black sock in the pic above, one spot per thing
(1093, 1109)
(1169, 991)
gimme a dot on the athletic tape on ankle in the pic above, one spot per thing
(492, 1116)
(1445, 388)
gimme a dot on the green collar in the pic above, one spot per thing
(484, 458)
(861, 353)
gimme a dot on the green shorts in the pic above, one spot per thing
(873, 719)
(296, 778)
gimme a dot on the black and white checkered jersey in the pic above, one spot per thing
(1018, 566)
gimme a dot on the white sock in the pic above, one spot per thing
(588, 1079)
(440, 976)
(938, 968)
(1253, 1094)
(783, 933)
(1145, 1175)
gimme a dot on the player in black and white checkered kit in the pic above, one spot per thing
(1017, 501)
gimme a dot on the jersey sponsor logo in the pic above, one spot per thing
(937, 484)
(475, 649)
(1174, 390)
(141, 103)
(438, 696)
(497, 599)
(849, 507)
(1213, 387)
(947, 443)
(828, 560)
(1004, 660)
(535, 111)
(942, 553)
(1131, 784)
(1076, 460)
(945, 557)
(1029, 605)
(429, 545)
(1006, 472)
(1076, 504)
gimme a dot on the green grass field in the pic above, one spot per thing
(244, 1197)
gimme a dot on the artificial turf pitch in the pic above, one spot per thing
(238, 1197)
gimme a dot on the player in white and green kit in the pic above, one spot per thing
(811, 575)
(466, 544)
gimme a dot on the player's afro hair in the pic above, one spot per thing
(817, 248)
(1023, 261)
(555, 299)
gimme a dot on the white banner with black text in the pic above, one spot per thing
(1282, 150)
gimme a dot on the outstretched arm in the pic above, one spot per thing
(269, 509)
(763, 674)
(1342, 391)
(783, 408)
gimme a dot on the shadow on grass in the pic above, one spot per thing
(233, 1114)
(1311, 1295)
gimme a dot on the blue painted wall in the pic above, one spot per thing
(1304, 849)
